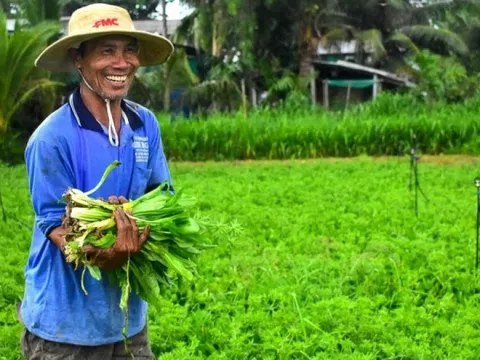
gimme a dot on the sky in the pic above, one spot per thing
(175, 10)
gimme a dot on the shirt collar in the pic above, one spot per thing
(86, 120)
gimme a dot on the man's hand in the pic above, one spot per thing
(129, 240)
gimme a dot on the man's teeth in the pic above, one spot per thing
(116, 78)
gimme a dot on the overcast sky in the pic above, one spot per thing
(175, 10)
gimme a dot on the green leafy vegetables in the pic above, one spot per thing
(176, 236)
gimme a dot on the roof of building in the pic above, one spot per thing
(366, 70)
(342, 47)
(11, 24)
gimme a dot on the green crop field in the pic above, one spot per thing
(332, 263)
(382, 127)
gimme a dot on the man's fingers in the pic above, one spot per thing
(121, 218)
(89, 249)
(134, 232)
(113, 200)
(144, 235)
(124, 229)
(92, 252)
(133, 225)
(117, 200)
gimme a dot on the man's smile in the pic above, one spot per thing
(116, 78)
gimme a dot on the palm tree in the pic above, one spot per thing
(20, 79)
(315, 21)
(5, 6)
(219, 28)
(36, 11)
(394, 29)
(176, 72)
(138, 9)
(389, 30)
(211, 24)
(463, 18)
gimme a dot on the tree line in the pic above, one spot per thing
(238, 42)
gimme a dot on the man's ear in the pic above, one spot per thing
(75, 56)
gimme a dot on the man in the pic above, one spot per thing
(72, 148)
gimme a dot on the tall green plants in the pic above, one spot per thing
(442, 78)
(379, 128)
(37, 11)
(176, 72)
(20, 79)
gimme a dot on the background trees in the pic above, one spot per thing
(250, 42)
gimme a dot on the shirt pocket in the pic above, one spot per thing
(141, 176)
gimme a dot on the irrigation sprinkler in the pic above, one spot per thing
(476, 182)
(414, 181)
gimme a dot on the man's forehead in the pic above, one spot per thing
(108, 39)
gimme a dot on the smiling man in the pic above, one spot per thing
(111, 80)
(72, 148)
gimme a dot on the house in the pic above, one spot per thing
(343, 50)
(341, 80)
(11, 24)
(345, 82)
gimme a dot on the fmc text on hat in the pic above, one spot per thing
(97, 20)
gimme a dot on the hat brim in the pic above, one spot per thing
(154, 49)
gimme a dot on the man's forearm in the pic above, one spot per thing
(57, 236)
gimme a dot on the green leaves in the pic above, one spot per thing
(381, 127)
(107, 171)
(332, 263)
(37, 11)
(440, 39)
(94, 272)
(176, 238)
(17, 55)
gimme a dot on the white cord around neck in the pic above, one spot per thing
(111, 126)
(112, 133)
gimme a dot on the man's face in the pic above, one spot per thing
(109, 64)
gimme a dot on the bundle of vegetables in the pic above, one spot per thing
(175, 237)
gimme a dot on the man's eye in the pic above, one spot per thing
(132, 50)
(107, 51)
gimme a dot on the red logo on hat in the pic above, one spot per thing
(106, 22)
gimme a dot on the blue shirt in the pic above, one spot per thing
(71, 149)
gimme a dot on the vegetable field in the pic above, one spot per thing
(379, 128)
(331, 264)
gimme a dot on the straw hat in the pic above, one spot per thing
(99, 20)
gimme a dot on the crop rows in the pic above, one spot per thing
(384, 127)
(332, 263)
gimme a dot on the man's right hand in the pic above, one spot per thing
(129, 241)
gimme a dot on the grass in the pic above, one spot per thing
(379, 128)
(333, 264)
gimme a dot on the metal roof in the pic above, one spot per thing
(342, 47)
(11, 24)
(367, 70)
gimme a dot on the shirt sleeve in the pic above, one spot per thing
(157, 160)
(49, 176)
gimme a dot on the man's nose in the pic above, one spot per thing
(121, 60)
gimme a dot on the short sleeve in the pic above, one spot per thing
(49, 176)
(157, 159)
